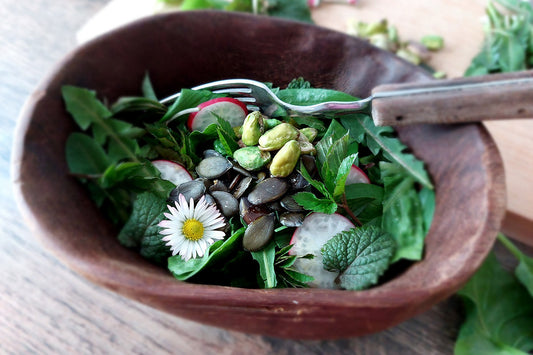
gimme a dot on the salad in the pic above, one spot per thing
(223, 194)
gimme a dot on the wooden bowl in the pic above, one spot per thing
(186, 49)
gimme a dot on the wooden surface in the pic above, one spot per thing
(45, 308)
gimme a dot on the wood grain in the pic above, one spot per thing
(458, 100)
(47, 309)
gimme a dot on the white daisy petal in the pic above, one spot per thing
(189, 230)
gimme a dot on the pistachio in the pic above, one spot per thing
(251, 128)
(251, 158)
(270, 123)
(432, 42)
(309, 132)
(276, 137)
(238, 131)
(285, 160)
(306, 147)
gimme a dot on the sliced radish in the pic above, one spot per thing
(173, 172)
(357, 176)
(227, 108)
(309, 238)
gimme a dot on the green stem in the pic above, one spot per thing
(510, 246)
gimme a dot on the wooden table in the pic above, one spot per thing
(47, 309)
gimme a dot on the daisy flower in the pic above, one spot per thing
(190, 230)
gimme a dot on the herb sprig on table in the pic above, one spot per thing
(498, 303)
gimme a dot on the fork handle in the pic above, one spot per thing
(496, 96)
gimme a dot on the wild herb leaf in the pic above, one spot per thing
(148, 89)
(310, 121)
(312, 203)
(359, 255)
(141, 230)
(183, 270)
(85, 156)
(312, 96)
(379, 139)
(84, 106)
(188, 99)
(524, 270)
(365, 202)
(315, 183)
(265, 258)
(499, 313)
(402, 212)
(342, 175)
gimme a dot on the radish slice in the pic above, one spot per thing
(173, 172)
(309, 238)
(227, 108)
(357, 176)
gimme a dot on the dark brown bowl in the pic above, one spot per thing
(186, 49)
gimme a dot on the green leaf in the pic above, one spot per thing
(312, 96)
(84, 155)
(379, 139)
(311, 203)
(342, 173)
(183, 270)
(512, 55)
(290, 9)
(499, 313)
(359, 255)
(310, 121)
(403, 216)
(524, 270)
(316, 184)
(141, 230)
(365, 201)
(84, 106)
(266, 258)
(188, 99)
(148, 89)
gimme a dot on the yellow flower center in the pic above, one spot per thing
(193, 229)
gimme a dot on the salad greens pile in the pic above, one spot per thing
(112, 156)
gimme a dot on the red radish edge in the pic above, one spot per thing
(180, 174)
(315, 234)
(357, 176)
(211, 102)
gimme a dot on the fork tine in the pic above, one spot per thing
(240, 91)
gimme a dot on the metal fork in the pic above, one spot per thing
(258, 96)
(474, 99)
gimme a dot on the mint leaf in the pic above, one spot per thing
(141, 230)
(403, 215)
(312, 203)
(499, 313)
(265, 259)
(359, 255)
(378, 139)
